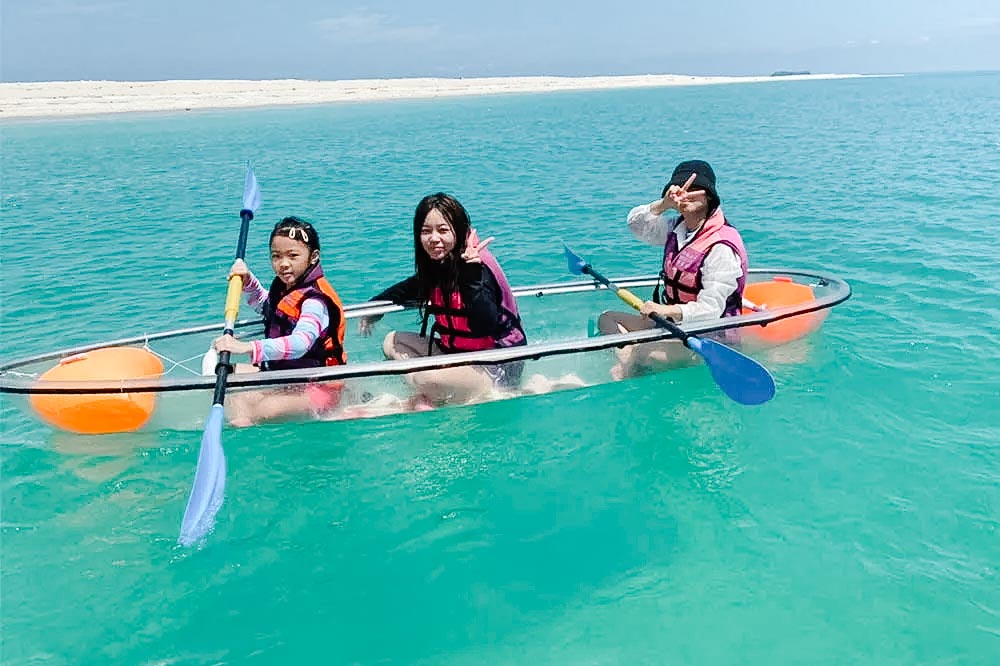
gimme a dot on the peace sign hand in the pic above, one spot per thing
(673, 198)
(677, 195)
(473, 246)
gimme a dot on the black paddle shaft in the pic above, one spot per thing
(224, 367)
(663, 322)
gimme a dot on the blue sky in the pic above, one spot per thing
(329, 39)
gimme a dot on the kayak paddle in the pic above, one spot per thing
(210, 476)
(740, 377)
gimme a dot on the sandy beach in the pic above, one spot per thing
(56, 99)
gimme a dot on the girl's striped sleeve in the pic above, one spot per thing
(255, 293)
(313, 321)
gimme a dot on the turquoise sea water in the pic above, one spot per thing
(854, 519)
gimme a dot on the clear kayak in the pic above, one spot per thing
(157, 381)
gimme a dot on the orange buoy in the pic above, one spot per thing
(100, 413)
(779, 293)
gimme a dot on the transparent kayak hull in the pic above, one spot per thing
(564, 352)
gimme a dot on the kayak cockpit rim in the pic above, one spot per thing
(13, 382)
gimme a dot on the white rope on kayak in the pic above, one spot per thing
(172, 362)
(146, 347)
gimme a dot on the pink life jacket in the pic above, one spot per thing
(452, 324)
(681, 272)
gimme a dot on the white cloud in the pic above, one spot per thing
(371, 28)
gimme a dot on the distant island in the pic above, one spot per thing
(782, 72)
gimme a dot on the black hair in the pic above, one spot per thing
(713, 204)
(297, 229)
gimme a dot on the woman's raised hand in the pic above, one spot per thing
(675, 196)
(473, 246)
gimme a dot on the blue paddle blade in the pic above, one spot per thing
(251, 191)
(740, 377)
(574, 261)
(209, 483)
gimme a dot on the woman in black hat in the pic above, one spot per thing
(704, 265)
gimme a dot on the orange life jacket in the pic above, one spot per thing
(283, 312)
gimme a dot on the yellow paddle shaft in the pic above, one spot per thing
(233, 296)
(630, 298)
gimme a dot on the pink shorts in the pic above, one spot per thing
(324, 397)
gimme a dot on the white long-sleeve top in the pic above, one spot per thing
(720, 272)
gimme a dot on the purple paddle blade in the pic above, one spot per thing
(209, 483)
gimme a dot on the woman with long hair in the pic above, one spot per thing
(466, 303)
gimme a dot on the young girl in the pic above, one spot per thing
(303, 323)
(460, 285)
